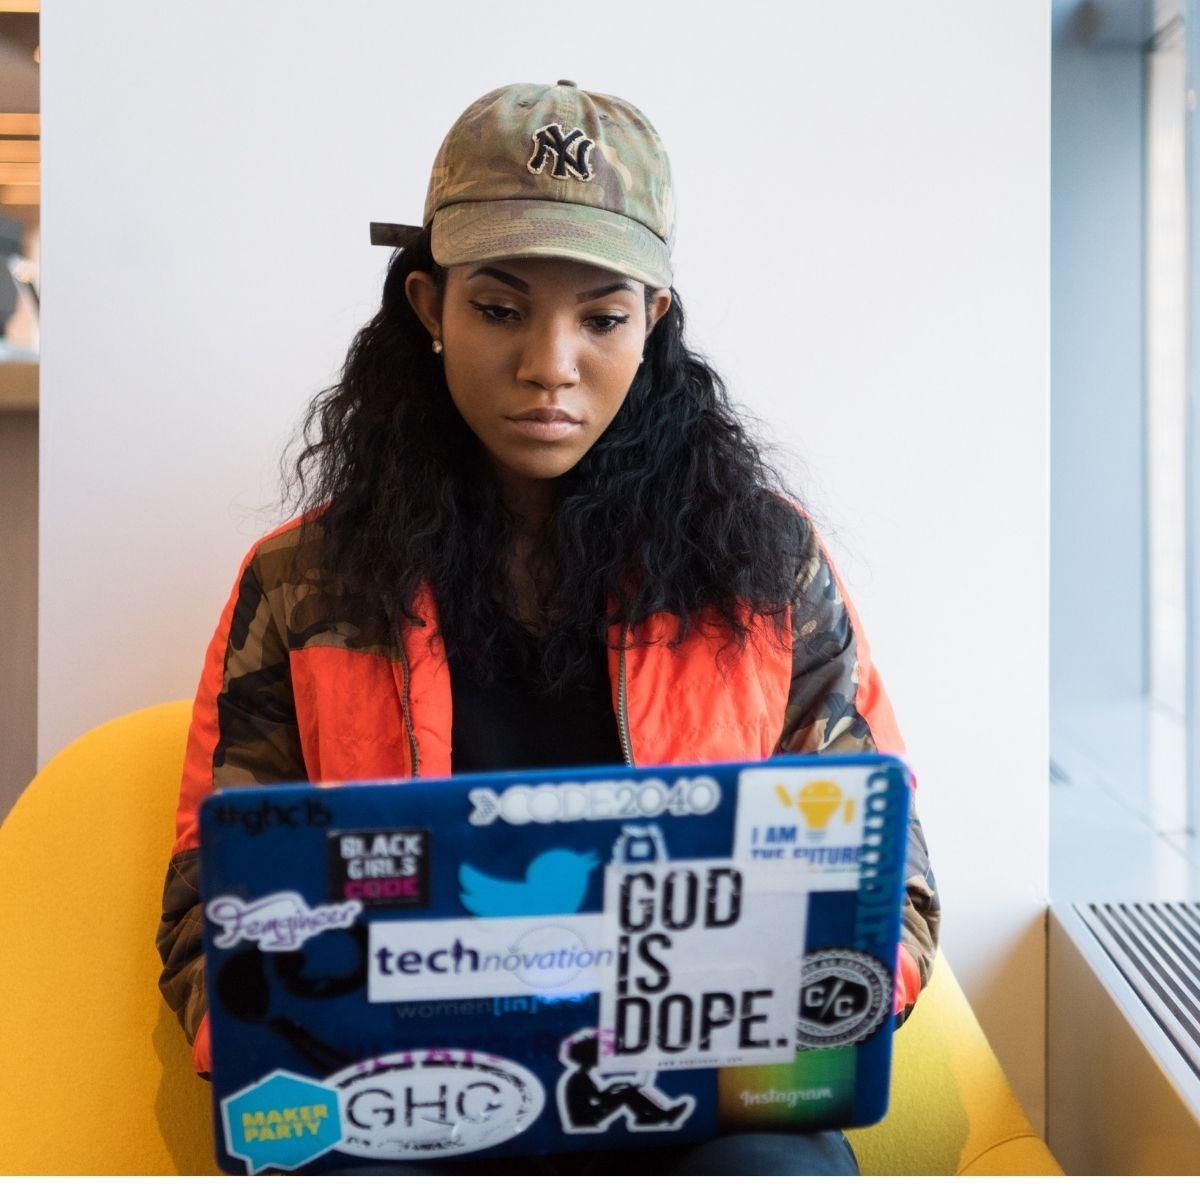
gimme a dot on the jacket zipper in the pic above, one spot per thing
(622, 713)
(413, 749)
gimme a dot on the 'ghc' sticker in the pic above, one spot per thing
(434, 1103)
(283, 1120)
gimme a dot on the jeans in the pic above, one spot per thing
(730, 1154)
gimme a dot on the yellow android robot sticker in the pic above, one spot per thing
(818, 802)
(793, 814)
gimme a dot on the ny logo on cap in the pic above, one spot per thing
(571, 152)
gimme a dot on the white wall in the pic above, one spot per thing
(863, 248)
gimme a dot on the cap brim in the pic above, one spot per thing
(484, 230)
(383, 233)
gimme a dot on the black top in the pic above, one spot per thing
(508, 725)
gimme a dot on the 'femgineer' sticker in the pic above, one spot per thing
(280, 921)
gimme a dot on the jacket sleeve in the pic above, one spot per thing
(837, 705)
(243, 731)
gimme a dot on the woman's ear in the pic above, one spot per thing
(426, 300)
(660, 301)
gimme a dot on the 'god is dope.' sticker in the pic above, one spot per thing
(707, 965)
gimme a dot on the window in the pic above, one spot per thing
(1123, 481)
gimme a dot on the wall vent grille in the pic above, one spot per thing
(1156, 947)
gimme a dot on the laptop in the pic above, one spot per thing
(537, 962)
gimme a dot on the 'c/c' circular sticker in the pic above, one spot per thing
(844, 996)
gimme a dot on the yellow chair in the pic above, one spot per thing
(96, 1078)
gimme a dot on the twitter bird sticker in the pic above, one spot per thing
(556, 881)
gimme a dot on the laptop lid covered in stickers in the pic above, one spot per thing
(537, 962)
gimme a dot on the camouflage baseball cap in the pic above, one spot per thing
(550, 172)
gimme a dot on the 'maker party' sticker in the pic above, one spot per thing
(283, 1120)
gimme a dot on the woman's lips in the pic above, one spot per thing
(544, 431)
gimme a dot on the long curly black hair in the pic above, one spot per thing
(673, 510)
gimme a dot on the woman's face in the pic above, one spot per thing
(539, 354)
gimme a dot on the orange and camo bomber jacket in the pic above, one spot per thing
(303, 680)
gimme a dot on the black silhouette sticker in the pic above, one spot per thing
(589, 1102)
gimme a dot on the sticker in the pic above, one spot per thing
(844, 997)
(384, 868)
(308, 813)
(639, 844)
(492, 1006)
(434, 1103)
(812, 821)
(597, 800)
(280, 921)
(880, 881)
(703, 975)
(467, 958)
(815, 1089)
(556, 881)
(283, 1120)
(590, 1100)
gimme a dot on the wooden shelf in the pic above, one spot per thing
(18, 386)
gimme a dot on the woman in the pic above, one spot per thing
(532, 532)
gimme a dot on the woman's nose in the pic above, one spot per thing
(549, 357)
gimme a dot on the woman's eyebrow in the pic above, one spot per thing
(521, 286)
(604, 289)
(503, 276)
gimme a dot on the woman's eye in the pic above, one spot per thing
(500, 314)
(495, 312)
(615, 322)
